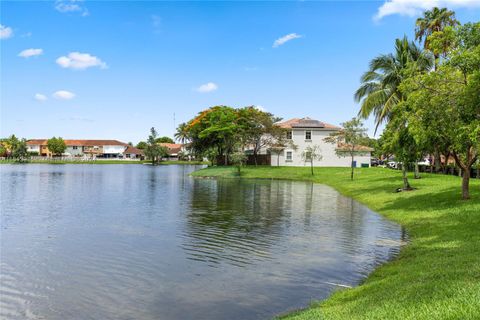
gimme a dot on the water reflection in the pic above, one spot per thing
(234, 221)
(79, 241)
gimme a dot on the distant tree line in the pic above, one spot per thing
(14, 148)
(223, 134)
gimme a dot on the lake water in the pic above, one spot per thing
(143, 242)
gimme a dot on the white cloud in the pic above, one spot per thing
(40, 97)
(284, 39)
(63, 95)
(80, 61)
(5, 32)
(415, 7)
(260, 108)
(207, 87)
(30, 53)
(71, 6)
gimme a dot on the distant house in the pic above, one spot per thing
(87, 148)
(173, 149)
(306, 132)
(133, 153)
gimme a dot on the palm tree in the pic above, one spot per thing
(379, 91)
(182, 133)
(432, 21)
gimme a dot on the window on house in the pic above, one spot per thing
(308, 156)
(75, 147)
(289, 135)
(289, 156)
(308, 135)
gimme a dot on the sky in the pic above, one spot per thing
(114, 69)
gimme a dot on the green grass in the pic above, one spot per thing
(99, 162)
(436, 276)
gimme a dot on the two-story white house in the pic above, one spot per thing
(88, 149)
(305, 132)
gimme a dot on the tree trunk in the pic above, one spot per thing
(278, 159)
(311, 166)
(417, 174)
(406, 184)
(353, 168)
(466, 185)
(466, 168)
(255, 156)
(437, 161)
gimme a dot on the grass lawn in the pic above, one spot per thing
(436, 276)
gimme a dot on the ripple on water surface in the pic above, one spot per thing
(142, 242)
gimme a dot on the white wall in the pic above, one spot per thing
(114, 149)
(33, 148)
(327, 150)
(74, 152)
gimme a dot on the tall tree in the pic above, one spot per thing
(10, 144)
(153, 150)
(256, 128)
(165, 140)
(348, 140)
(141, 145)
(182, 133)
(215, 131)
(434, 20)
(56, 146)
(379, 92)
(450, 97)
(19, 151)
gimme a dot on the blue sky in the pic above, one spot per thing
(113, 69)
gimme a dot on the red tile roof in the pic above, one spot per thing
(306, 123)
(133, 150)
(68, 142)
(172, 148)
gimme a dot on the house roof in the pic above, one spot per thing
(347, 147)
(172, 148)
(306, 123)
(69, 142)
(133, 150)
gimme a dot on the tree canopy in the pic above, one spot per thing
(429, 108)
(56, 146)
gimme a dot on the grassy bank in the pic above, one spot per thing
(436, 276)
(99, 162)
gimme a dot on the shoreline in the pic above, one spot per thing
(102, 162)
(433, 276)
